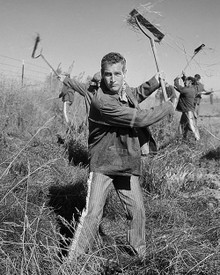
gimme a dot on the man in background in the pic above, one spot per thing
(199, 91)
(86, 90)
(186, 105)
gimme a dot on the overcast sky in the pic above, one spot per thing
(85, 30)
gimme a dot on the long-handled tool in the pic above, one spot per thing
(37, 40)
(137, 21)
(196, 51)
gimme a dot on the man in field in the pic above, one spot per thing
(186, 106)
(200, 90)
(115, 154)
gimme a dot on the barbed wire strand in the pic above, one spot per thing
(21, 60)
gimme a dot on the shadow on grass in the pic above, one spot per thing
(212, 155)
(76, 151)
(67, 202)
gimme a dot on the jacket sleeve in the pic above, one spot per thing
(177, 85)
(75, 85)
(146, 89)
(114, 114)
(67, 94)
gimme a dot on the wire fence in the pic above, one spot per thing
(25, 73)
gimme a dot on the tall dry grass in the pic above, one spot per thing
(43, 193)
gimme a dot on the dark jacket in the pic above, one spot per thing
(147, 142)
(114, 145)
(187, 97)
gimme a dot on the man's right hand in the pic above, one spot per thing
(63, 77)
(160, 75)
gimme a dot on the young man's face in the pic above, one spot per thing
(113, 76)
(188, 83)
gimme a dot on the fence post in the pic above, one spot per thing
(22, 74)
(211, 97)
(51, 80)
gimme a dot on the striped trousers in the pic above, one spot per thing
(130, 194)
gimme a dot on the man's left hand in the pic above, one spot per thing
(160, 75)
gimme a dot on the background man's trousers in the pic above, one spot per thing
(188, 123)
(130, 194)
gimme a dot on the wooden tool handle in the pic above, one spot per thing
(158, 69)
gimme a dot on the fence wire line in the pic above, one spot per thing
(20, 68)
(21, 60)
(8, 74)
(16, 70)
